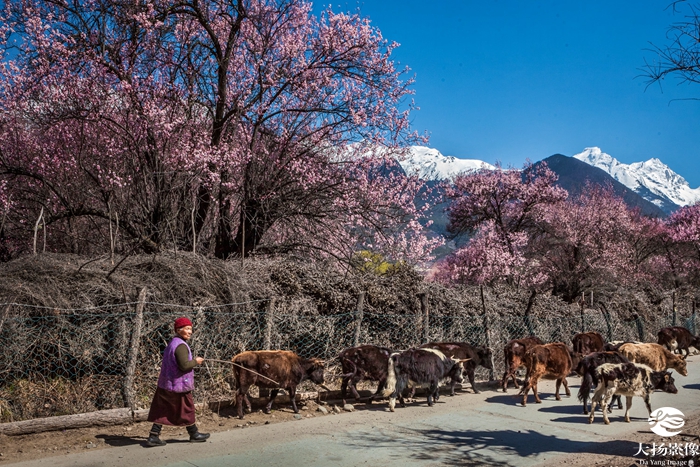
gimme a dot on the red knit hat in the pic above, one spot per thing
(182, 322)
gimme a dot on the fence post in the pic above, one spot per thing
(359, 315)
(423, 296)
(606, 317)
(528, 310)
(673, 302)
(5, 314)
(268, 324)
(487, 331)
(128, 387)
(692, 319)
(640, 328)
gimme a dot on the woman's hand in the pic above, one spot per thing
(199, 360)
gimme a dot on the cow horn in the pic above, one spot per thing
(462, 360)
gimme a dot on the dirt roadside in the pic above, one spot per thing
(39, 445)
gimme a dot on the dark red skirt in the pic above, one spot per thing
(172, 408)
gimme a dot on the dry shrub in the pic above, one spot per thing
(39, 397)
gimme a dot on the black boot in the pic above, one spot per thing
(195, 435)
(154, 437)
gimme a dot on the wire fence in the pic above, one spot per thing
(67, 361)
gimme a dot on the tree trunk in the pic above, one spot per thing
(358, 318)
(128, 388)
(528, 309)
(83, 420)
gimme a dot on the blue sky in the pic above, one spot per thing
(508, 80)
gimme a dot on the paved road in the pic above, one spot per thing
(490, 428)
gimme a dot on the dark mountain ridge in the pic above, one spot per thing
(573, 175)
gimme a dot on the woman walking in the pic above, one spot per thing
(172, 403)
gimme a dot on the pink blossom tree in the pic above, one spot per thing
(528, 232)
(223, 124)
(501, 207)
(683, 244)
(595, 241)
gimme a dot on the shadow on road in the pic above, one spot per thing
(480, 447)
(514, 398)
(114, 440)
(565, 409)
(507, 399)
(692, 386)
(615, 417)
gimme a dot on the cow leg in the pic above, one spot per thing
(240, 398)
(604, 409)
(380, 388)
(470, 375)
(453, 383)
(617, 398)
(556, 390)
(398, 394)
(608, 393)
(344, 388)
(612, 402)
(591, 415)
(293, 397)
(534, 391)
(402, 402)
(648, 404)
(429, 391)
(595, 400)
(524, 392)
(393, 397)
(273, 394)
(566, 387)
(412, 394)
(628, 406)
(353, 388)
(504, 381)
(247, 403)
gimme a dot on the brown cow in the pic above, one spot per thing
(549, 361)
(513, 354)
(365, 362)
(473, 356)
(678, 338)
(586, 343)
(655, 356)
(273, 369)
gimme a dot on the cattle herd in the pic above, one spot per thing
(611, 370)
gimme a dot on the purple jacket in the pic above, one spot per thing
(171, 378)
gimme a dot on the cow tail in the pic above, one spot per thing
(353, 372)
(390, 378)
(586, 384)
(233, 379)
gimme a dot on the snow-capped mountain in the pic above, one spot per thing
(652, 179)
(430, 164)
